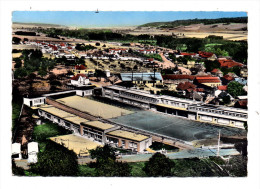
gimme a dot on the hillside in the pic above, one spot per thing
(177, 23)
(32, 25)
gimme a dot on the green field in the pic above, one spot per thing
(42, 132)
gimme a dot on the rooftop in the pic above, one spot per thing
(78, 144)
(128, 135)
(55, 111)
(98, 124)
(141, 76)
(93, 107)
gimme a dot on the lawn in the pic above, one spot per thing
(137, 169)
(42, 132)
(86, 171)
(16, 108)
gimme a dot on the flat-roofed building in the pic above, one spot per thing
(221, 115)
(177, 106)
(128, 140)
(34, 101)
(96, 130)
(62, 118)
(145, 78)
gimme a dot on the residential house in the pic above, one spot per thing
(241, 104)
(226, 79)
(80, 80)
(229, 63)
(209, 81)
(217, 72)
(207, 55)
(81, 69)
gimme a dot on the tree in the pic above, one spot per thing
(42, 72)
(158, 165)
(20, 73)
(235, 89)
(18, 62)
(97, 44)
(226, 99)
(18, 171)
(106, 164)
(210, 65)
(55, 160)
(16, 40)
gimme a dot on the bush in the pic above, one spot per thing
(158, 165)
(55, 160)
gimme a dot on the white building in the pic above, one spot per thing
(16, 151)
(32, 152)
(37, 101)
(80, 80)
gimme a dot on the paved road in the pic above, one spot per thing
(200, 153)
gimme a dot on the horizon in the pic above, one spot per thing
(114, 18)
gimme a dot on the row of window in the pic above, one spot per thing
(220, 112)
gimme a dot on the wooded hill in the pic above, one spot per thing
(177, 23)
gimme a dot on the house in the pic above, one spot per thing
(81, 69)
(241, 104)
(34, 101)
(229, 63)
(207, 55)
(242, 81)
(16, 151)
(209, 81)
(32, 152)
(142, 78)
(80, 80)
(84, 90)
(220, 89)
(176, 79)
(226, 79)
(217, 72)
(244, 72)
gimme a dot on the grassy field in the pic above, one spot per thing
(42, 132)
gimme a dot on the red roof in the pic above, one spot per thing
(69, 47)
(187, 54)
(205, 54)
(229, 63)
(53, 47)
(199, 89)
(77, 77)
(228, 77)
(208, 79)
(242, 103)
(62, 44)
(175, 77)
(222, 87)
(150, 59)
(215, 70)
(186, 86)
(81, 67)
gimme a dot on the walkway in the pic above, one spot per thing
(199, 153)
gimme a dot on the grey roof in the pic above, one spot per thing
(141, 76)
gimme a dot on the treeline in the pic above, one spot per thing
(236, 49)
(88, 34)
(195, 21)
(25, 33)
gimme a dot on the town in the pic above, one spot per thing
(133, 96)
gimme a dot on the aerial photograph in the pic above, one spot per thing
(129, 94)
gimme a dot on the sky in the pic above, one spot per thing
(113, 18)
